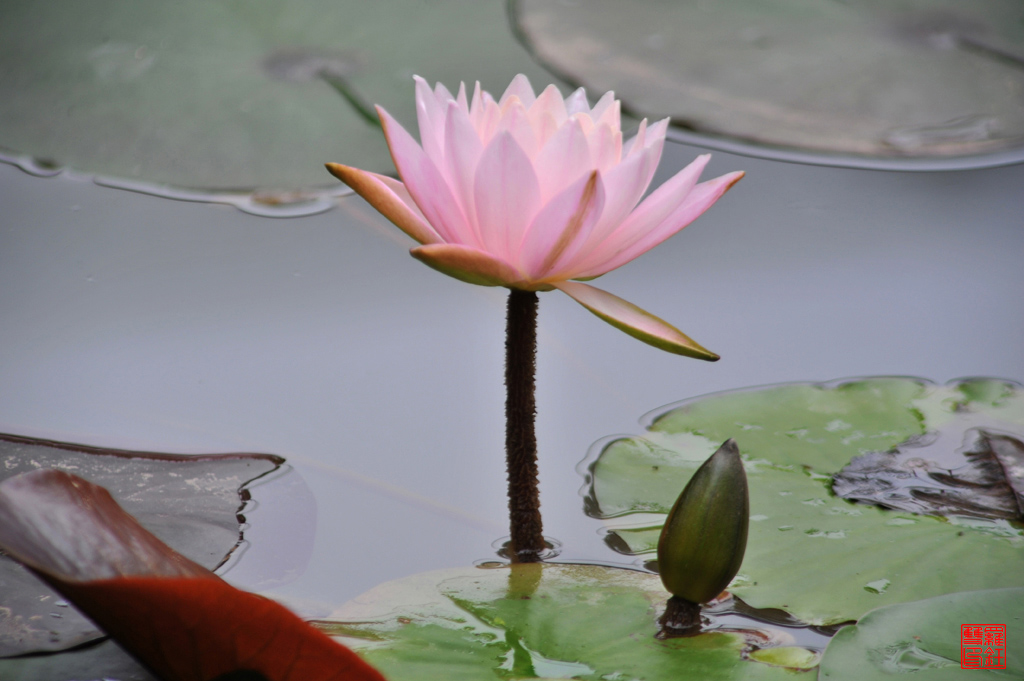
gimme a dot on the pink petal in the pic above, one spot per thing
(462, 151)
(430, 117)
(607, 111)
(476, 107)
(561, 225)
(551, 103)
(638, 323)
(490, 118)
(563, 159)
(467, 264)
(699, 200)
(425, 183)
(577, 102)
(605, 147)
(519, 87)
(461, 98)
(507, 196)
(514, 120)
(443, 95)
(624, 185)
(378, 191)
(637, 143)
(657, 206)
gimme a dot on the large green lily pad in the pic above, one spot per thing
(540, 621)
(923, 639)
(242, 94)
(899, 78)
(820, 557)
(192, 503)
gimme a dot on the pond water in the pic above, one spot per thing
(137, 322)
(291, 321)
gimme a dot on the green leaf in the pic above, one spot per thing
(235, 95)
(923, 639)
(533, 621)
(819, 557)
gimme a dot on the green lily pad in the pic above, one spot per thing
(821, 558)
(923, 638)
(235, 95)
(192, 503)
(538, 621)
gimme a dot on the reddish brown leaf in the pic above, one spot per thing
(181, 620)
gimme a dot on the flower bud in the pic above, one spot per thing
(705, 534)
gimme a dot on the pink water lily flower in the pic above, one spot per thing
(536, 193)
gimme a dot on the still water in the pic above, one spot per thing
(138, 322)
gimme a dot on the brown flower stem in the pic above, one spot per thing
(520, 439)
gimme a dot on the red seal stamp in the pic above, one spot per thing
(983, 646)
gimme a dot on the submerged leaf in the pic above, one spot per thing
(937, 475)
(178, 618)
(190, 502)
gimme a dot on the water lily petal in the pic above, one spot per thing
(467, 264)
(608, 111)
(561, 225)
(699, 200)
(605, 147)
(658, 205)
(430, 116)
(507, 196)
(638, 323)
(519, 87)
(577, 102)
(515, 121)
(563, 160)
(462, 151)
(549, 103)
(425, 183)
(635, 143)
(383, 194)
(624, 185)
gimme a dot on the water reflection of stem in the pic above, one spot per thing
(523, 580)
(520, 439)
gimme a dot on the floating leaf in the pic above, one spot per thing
(918, 78)
(923, 639)
(808, 552)
(237, 95)
(177, 617)
(190, 502)
(536, 621)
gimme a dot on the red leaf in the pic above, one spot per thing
(179, 619)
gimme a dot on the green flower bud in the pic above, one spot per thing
(705, 534)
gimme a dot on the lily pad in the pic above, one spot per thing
(923, 638)
(819, 557)
(192, 503)
(235, 95)
(539, 621)
(901, 78)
